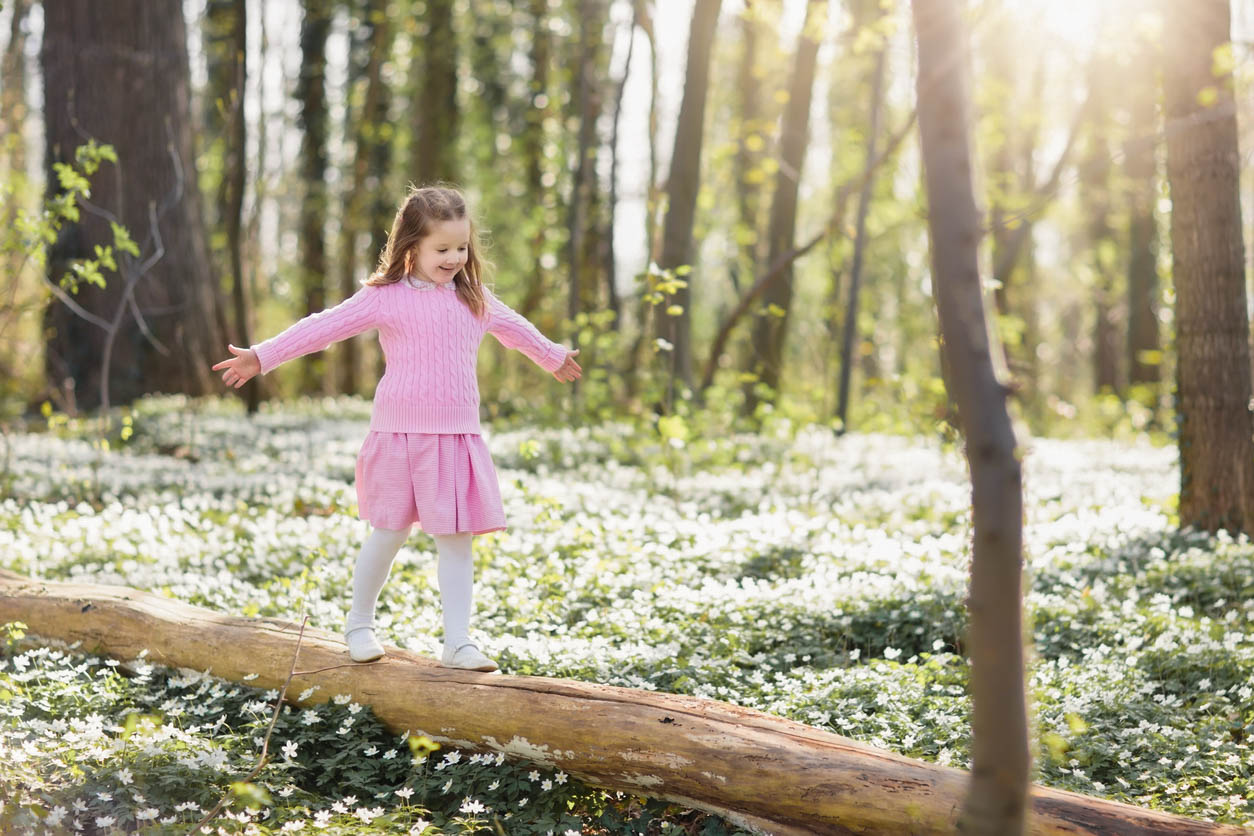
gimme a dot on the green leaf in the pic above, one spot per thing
(123, 241)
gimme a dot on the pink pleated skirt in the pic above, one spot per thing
(446, 483)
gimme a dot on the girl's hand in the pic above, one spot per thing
(569, 370)
(241, 368)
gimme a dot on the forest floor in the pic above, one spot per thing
(813, 577)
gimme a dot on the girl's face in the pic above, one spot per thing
(443, 252)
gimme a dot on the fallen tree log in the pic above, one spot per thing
(763, 772)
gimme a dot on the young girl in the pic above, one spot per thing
(424, 460)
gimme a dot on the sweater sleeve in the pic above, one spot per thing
(514, 331)
(318, 331)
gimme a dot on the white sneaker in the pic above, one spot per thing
(362, 644)
(467, 657)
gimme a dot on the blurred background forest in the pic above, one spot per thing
(719, 203)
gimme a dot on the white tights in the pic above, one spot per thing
(455, 573)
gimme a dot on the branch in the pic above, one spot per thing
(265, 744)
(1042, 195)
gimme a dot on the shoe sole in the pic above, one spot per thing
(478, 668)
(366, 658)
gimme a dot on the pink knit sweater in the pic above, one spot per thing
(430, 340)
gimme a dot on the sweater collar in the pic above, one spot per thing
(422, 284)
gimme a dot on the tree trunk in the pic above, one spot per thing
(609, 266)
(219, 46)
(580, 288)
(760, 771)
(13, 115)
(859, 247)
(366, 122)
(311, 92)
(1144, 345)
(1208, 265)
(119, 72)
(13, 110)
(683, 183)
(232, 193)
(539, 108)
(996, 802)
(435, 104)
(771, 329)
(751, 140)
(1095, 195)
(634, 360)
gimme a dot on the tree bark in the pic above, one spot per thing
(683, 183)
(997, 799)
(1208, 265)
(312, 95)
(118, 72)
(757, 770)
(771, 329)
(436, 111)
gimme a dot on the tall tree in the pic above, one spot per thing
(363, 121)
(13, 89)
(1096, 187)
(750, 138)
(859, 241)
(1208, 266)
(231, 195)
(217, 108)
(162, 308)
(771, 329)
(434, 155)
(1141, 177)
(587, 100)
(1011, 95)
(996, 801)
(683, 183)
(311, 93)
(608, 260)
(532, 141)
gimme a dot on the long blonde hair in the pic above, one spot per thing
(424, 206)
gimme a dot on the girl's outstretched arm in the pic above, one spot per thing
(514, 331)
(359, 312)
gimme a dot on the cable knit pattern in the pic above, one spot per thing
(430, 342)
